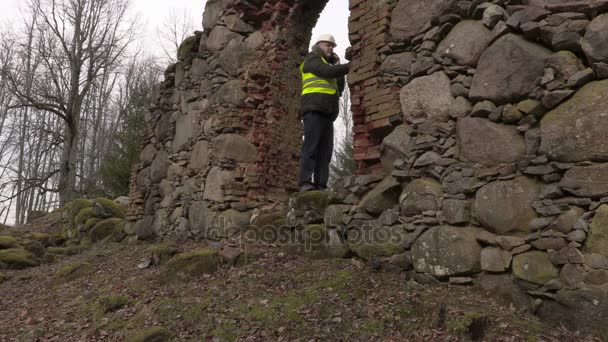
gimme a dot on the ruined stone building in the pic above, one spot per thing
(479, 132)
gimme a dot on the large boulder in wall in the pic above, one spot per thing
(398, 63)
(381, 198)
(586, 181)
(485, 142)
(508, 69)
(184, 131)
(199, 159)
(419, 196)
(595, 42)
(506, 206)
(575, 131)
(213, 12)
(235, 147)
(427, 97)
(597, 242)
(466, 42)
(409, 16)
(447, 251)
(159, 167)
(219, 38)
(215, 183)
(534, 267)
(230, 92)
(397, 145)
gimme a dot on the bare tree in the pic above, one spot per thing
(79, 41)
(174, 28)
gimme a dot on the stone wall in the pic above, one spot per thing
(496, 174)
(224, 135)
(478, 127)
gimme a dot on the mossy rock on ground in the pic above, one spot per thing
(154, 334)
(7, 241)
(112, 303)
(56, 240)
(268, 219)
(43, 238)
(83, 216)
(74, 271)
(73, 208)
(34, 247)
(161, 253)
(91, 223)
(119, 232)
(16, 258)
(194, 263)
(69, 232)
(106, 228)
(106, 208)
(71, 250)
(316, 199)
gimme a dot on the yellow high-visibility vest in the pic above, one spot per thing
(311, 83)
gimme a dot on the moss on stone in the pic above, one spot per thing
(91, 223)
(34, 247)
(112, 208)
(311, 198)
(43, 238)
(270, 219)
(84, 243)
(534, 267)
(72, 250)
(154, 334)
(83, 216)
(194, 263)
(597, 240)
(162, 252)
(112, 303)
(105, 229)
(187, 46)
(7, 241)
(74, 271)
(56, 239)
(586, 98)
(74, 207)
(69, 232)
(17, 258)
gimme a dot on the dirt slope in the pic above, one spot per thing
(276, 296)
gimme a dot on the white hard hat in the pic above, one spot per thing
(326, 38)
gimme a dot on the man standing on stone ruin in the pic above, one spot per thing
(322, 85)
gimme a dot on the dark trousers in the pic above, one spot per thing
(317, 149)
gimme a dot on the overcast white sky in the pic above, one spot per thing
(334, 18)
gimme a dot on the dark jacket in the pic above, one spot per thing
(324, 103)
